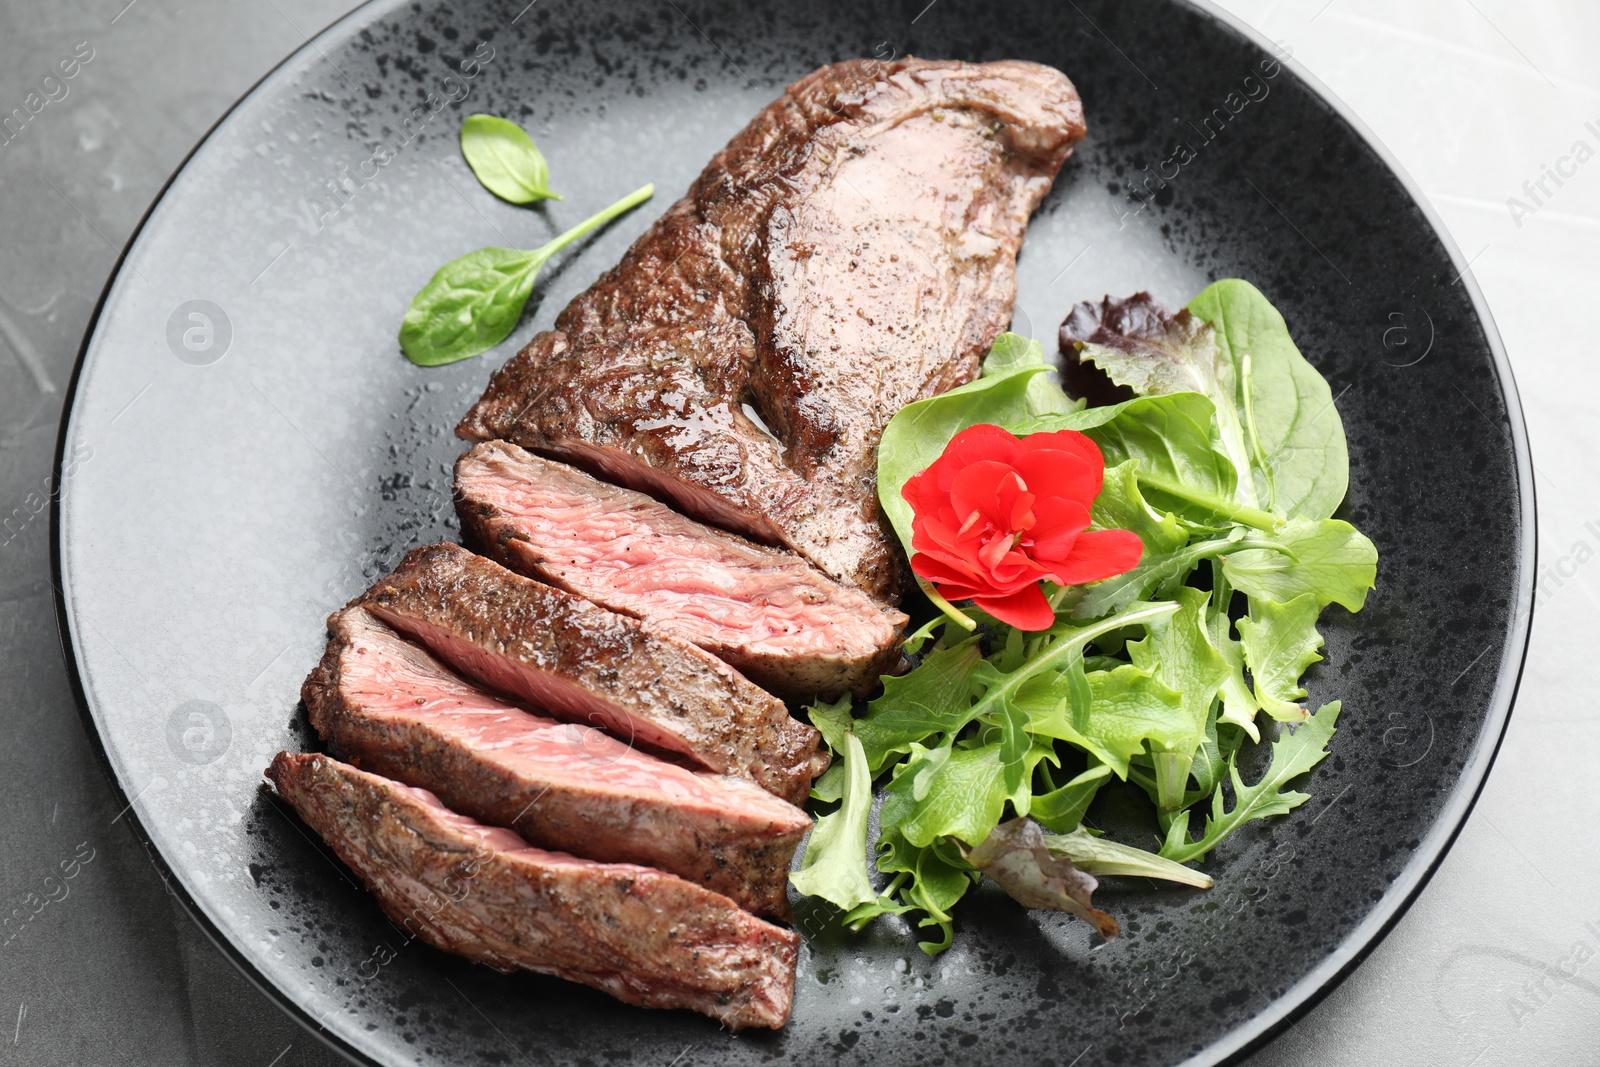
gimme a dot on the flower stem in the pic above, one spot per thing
(1228, 509)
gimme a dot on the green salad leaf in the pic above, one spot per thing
(996, 750)
(832, 867)
(1296, 436)
(1015, 856)
(1099, 855)
(1280, 641)
(1014, 388)
(1329, 560)
(505, 159)
(1293, 754)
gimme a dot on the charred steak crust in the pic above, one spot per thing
(642, 935)
(580, 662)
(767, 612)
(852, 250)
(387, 706)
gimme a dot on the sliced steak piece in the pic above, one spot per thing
(852, 250)
(644, 936)
(779, 620)
(581, 663)
(384, 704)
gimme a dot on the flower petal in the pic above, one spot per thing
(1026, 609)
(1098, 554)
(976, 487)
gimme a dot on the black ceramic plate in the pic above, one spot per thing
(246, 449)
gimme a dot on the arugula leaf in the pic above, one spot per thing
(935, 698)
(1099, 855)
(1295, 433)
(1015, 856)
(473, 303)
(505, 159)
(1239, 704)
(834, 867)
(1293, 754)
(1328, 559)
(1280, 641)
(1157, 574)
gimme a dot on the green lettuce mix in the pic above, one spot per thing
(1228, 464)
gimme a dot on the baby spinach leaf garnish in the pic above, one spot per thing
(473, 303)
(506, 160)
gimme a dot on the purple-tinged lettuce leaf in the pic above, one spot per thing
(1015, 856)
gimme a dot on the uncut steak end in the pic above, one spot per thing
(644, 936)
(852, 250)
(783, 623)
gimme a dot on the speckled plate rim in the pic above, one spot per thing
(1242, 1040)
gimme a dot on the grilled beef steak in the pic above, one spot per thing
(852, 250)
(642, 935)
(768, 612)
(582, 663)
(387, 706)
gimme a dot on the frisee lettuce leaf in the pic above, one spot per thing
(1280, 641)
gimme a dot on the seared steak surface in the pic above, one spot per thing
(581, 663)
(769, 613)
(852, 250)
(642, 935)
(388, 706)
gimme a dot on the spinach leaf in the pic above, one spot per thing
(1139, 344)
(1275, 417)
(1172, 436)
(505, 159)
(473, 303)
(1295, 434)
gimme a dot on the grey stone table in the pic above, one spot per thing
(1485, 101)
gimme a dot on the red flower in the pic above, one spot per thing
(996, 513)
